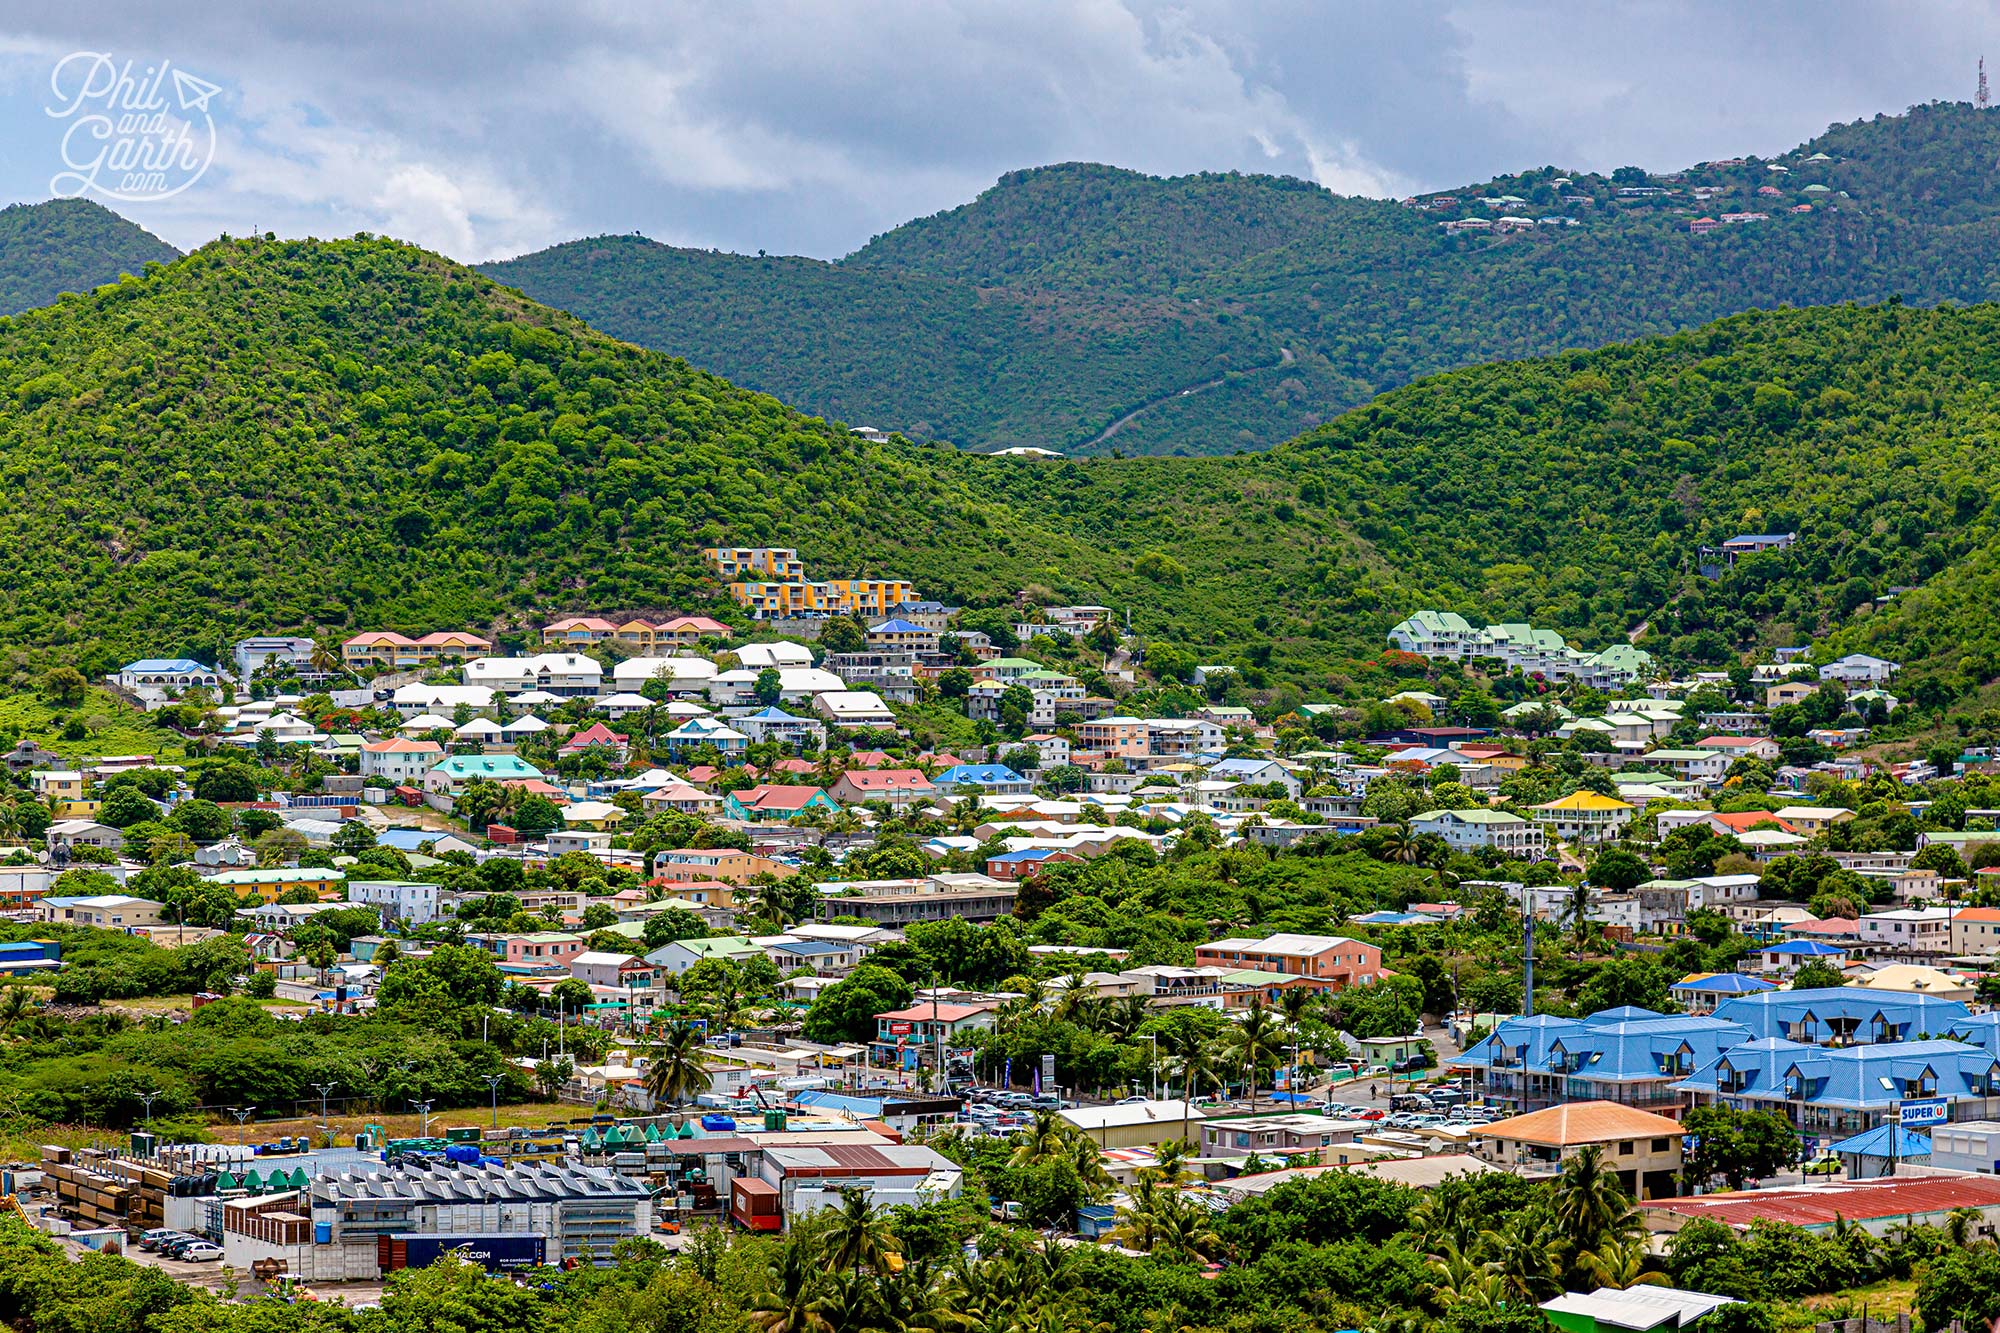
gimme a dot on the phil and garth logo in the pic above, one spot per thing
(134, 133)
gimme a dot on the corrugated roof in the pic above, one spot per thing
(1856, 1201)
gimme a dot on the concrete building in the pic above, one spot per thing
(1142, 1124)
(1334, 961)
(1644, 1148)
(1469, 830)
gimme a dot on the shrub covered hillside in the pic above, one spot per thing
(357, 434)
(1087, 292)
(345, 435)
(68, 245)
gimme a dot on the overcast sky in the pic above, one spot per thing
(486, 128)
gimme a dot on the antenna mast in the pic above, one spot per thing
(1980, 97)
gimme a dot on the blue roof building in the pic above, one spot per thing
(1701, 994)
(1784, 959)
(1843, 1016)
(1876, 1153)
(1846, 1090)
(997, 779)
(1981, 1030)
(1628, 1055)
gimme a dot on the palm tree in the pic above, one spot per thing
(1620, 1264)
(1123, 1017)
(1089, 1164)
(1044, 1140)
(676, 1072)
(16, 1005)
(1195, 1062)
(791, 1303)
(1185, 1230)
(1170, 1163)
(1958, 1223)
(1257, 1040)
(1458, 1278)
(1590, 1206)
(1579, 916)
(858, 1236)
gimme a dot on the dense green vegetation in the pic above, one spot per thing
(218, 446)
(1066, 296)
(68, 245)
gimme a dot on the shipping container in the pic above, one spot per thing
(496, 1254)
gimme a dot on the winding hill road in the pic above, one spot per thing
(1285, 358)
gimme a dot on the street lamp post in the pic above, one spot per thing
(149, 1098)
(423, 1120)
(493, 1086)
(242, 1114)
(1154, 1062)
(323, 1089)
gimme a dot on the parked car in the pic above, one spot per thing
(201, 1252)
(152, 1240)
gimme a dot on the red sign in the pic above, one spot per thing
(899, 1029)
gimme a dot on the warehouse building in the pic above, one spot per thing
(332, 1232)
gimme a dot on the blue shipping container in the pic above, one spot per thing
(496, 1254)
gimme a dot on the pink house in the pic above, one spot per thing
(536, 950)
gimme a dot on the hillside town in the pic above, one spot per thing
(724, 872)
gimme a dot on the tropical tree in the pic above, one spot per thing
(16, 1006)
(1590, 1207)
(676, 1072)
(1046, 1139)
(790, 1304)
(857, 1235)
(1195, 1062)
(1257, 1040)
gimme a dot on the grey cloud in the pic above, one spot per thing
(489, 128)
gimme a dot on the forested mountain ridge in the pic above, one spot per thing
(333, 436)
(1090, 291)
(68, 245)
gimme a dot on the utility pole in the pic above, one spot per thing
(1527, 953)
(1980, 98)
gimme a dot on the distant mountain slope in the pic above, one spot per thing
(1364, 294)
(68, 245)
(331, 436)
(997, 365)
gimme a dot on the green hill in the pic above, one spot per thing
(1066, 297)
(344, 435)
(68, 245)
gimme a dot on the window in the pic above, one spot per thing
(1659, 1145)
(1625, 1148)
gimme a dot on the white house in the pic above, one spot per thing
(443, 700)
(854, 708)
(681, 674)
(396, 900)
(1909, 930)
(163, 674)
(399, 760)
(565, 675)
(1860, 669)
(1466, 830)
(784, 653)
